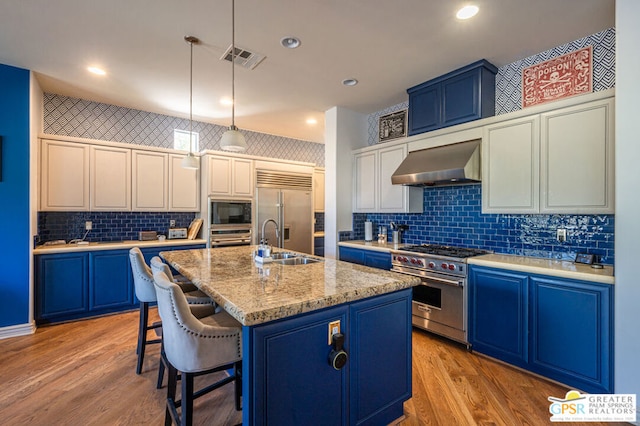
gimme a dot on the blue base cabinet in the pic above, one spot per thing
(572, 327)
(289, 381)
(498, 311)
(463, 95)
(67, 278)
(559, 328)
(71, 286)
(374, 259)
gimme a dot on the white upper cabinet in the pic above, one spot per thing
(149, 181)
(110, 179)
(577, 151)
(184, 186)
(511, 165)
(561, 161)
(373, 190)
(230, 177)
(64, 168)
(318, 189)
(364, 189)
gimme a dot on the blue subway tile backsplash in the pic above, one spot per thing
(453, 216)
(107, 226)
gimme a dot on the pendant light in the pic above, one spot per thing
(190, 161)
(232, 139)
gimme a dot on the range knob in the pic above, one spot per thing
(452, 266)
(413, 261)
(432, 265)
(419, 262)
(444, 266)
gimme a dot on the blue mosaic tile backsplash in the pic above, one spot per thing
(452, 216)
(107, 226)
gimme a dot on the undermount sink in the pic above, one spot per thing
(297, 260)
(283, 255)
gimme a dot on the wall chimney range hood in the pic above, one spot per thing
(454, 164)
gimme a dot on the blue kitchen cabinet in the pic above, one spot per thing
(71, 286)
(498, 313)
(317, 397)
(318, 246)
(375, 259)
(559, 328)
(463, 95)
(380, 342)
(572, 329)
(65, 292)
(110, 280)
(370, 389)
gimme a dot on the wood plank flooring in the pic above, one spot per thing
(83, 373)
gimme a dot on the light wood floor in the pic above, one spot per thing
(83, 373)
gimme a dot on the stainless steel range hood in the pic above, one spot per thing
(454, 164)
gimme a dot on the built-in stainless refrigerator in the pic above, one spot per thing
(292, 209)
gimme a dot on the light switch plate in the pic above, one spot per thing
(334, 328)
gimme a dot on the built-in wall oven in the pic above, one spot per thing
(439, 302)
(230, 222)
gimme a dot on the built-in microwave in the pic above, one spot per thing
(230, 222)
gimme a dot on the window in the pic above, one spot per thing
(181, 140)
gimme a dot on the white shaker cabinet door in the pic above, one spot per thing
(577, 159)
(242, 177)
(318, 190)
(219, 175)
(184, 186)
(64, 176)
(149, 181)
(392, 197)
(110, 178)
(511, 166)
(365, 179)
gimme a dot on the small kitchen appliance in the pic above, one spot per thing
(439, 302)
(177, 233)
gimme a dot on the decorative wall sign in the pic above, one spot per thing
(558, 78)
(392, 126)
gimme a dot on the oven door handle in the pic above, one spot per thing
(454, 283)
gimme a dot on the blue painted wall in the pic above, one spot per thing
(453, 216)
(14, 196)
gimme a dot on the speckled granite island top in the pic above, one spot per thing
(254, 293)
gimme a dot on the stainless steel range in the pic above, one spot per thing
(440, 301)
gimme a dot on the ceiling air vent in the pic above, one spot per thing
(244, 57)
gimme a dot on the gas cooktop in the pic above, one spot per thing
(444, 251)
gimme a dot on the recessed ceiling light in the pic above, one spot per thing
(467, 12)
(312, 121)
(349, 81)
(290, 42)
(226, 101)
(96, 70)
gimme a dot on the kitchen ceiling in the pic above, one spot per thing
(387, 46)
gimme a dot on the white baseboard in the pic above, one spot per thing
(17, 330)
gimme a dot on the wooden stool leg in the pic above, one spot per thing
(142, 334)
(187, 399)
(172, 382)
(163, 362)
(238, 385)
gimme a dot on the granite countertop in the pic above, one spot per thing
(371, 245)
(553, 267)
(256, 293)
(113, 245)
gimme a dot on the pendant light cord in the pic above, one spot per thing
(233, 64)
(191, 100)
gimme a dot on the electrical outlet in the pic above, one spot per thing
(561, 235)
(88, 225)
(334, 328)
(172, 223)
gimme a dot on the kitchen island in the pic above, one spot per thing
(286, 310)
